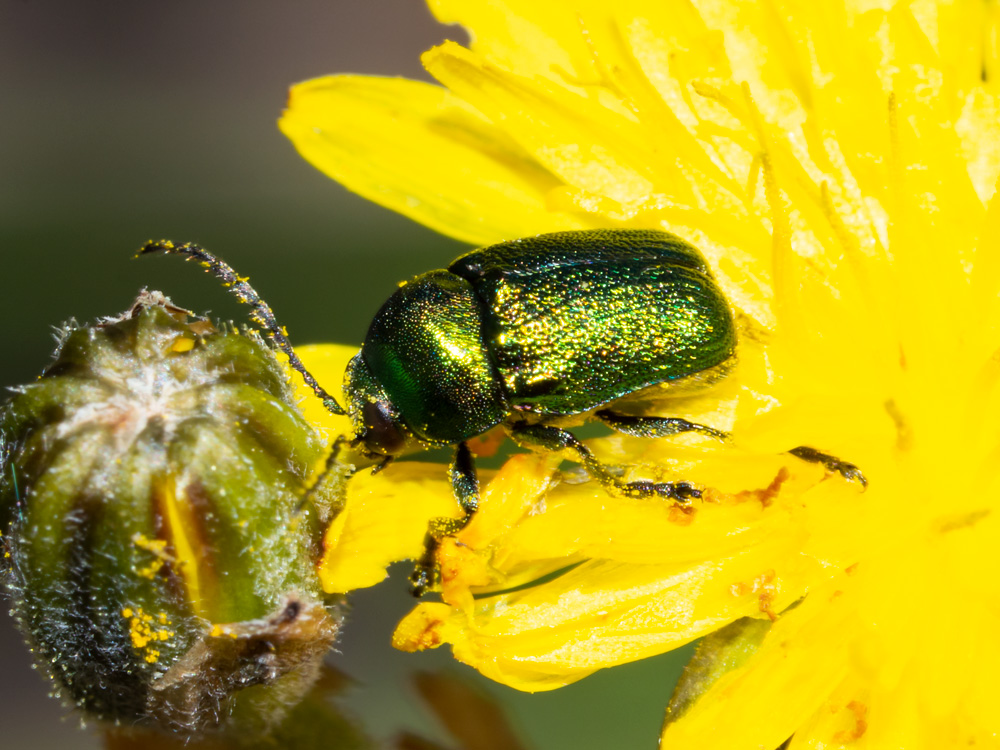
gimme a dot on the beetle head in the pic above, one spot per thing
(378, 427)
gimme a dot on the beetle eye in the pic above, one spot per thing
(383, 432)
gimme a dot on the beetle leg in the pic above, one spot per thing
(465, 485)
(464, 482)
(383, 462)
(848, 471)
(551, 438)
(655, 427)
(426, 574)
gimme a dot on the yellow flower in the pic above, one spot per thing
(836, 162)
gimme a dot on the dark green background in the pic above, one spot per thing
(128, 120)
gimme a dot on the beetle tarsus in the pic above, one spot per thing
(383, 462)
(847, 470)
(680, 492)
(426, 575)
(547, 437)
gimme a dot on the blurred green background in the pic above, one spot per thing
(124, 121)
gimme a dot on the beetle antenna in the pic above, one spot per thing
(262, 313)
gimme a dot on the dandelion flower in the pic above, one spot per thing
(836, 163)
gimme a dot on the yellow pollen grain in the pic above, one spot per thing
(156, 547)
(142, 632)
(182, 344)
(150, 570)
(218, 631)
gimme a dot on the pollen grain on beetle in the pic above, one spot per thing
(835, 164)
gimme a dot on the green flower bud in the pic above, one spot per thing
(158, 544)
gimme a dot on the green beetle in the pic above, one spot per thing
(536, 335)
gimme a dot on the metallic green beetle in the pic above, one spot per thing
(534, 331)
(535, 335)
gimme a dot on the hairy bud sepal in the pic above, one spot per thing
(158, 550)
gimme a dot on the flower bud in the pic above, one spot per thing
(717, 654)
(159, 540)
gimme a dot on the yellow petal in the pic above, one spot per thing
(526, 38)
(584, 143)
(384, 521)
(841, 722)
(419, 150)
(551, 39)
(427, 626)
(582, 520)
(597, 615)
(327, 364)
(603, 612)
(469, 560)
(762, 703)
